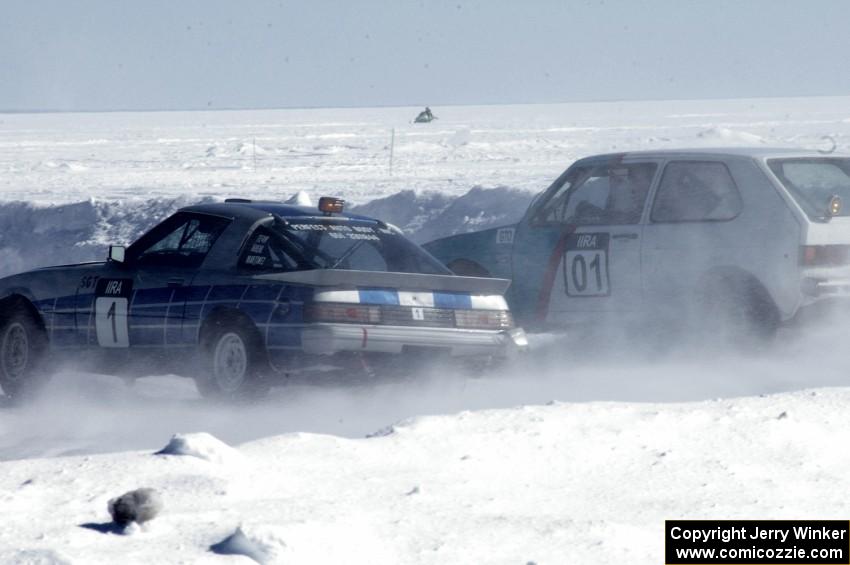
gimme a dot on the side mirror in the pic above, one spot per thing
(116, 253)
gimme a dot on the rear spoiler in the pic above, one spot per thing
(407, 281)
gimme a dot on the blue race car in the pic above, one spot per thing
(237, 293)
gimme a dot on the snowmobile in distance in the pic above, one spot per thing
(425, 116)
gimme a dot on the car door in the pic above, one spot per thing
(692, 230)
(577, 254)
(141, 303)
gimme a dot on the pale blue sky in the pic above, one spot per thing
(175, 54)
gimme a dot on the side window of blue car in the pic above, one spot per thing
(181, 241)
(265, 252)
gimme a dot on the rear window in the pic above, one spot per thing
(814, 181)
(333, 244)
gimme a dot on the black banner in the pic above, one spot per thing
(757, 542)
(114, 287)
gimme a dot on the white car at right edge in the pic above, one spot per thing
(743, 238)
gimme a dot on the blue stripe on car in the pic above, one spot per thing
(452, 300)
(378, 296)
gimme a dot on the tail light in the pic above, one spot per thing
(346, 313)
(365, 314)
(824, 255)
(484, 319)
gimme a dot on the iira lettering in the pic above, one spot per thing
(113, 287)
(586, 241)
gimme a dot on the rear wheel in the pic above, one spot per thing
(23, 345)
(737, 313)
(233, 364)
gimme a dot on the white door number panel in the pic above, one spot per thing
(585, 265)
(505, 236)
(110, 311)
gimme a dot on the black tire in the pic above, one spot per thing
(737, 313)
(234, 363)
(23, 346)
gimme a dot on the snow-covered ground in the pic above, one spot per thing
(572, 458)
(560, 483)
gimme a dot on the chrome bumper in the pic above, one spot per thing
(327, 339)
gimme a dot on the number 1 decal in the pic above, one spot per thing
(110, 311)
(586, 265)
(111, 321)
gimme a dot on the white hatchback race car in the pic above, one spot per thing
(751, 238)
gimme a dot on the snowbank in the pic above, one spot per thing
(428, 216)
(38, 236)
(562, 483)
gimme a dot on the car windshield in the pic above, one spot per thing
(814, 181)
(359, 245)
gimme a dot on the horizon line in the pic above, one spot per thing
(381, 106)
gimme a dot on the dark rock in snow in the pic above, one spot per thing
(140, 506)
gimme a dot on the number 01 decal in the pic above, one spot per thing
(586, 265)
(110, 311)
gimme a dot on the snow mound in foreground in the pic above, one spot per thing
(262, 544)
(304, 542)
(203, 446)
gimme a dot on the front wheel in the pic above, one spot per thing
(233, 359)
(23, 344)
